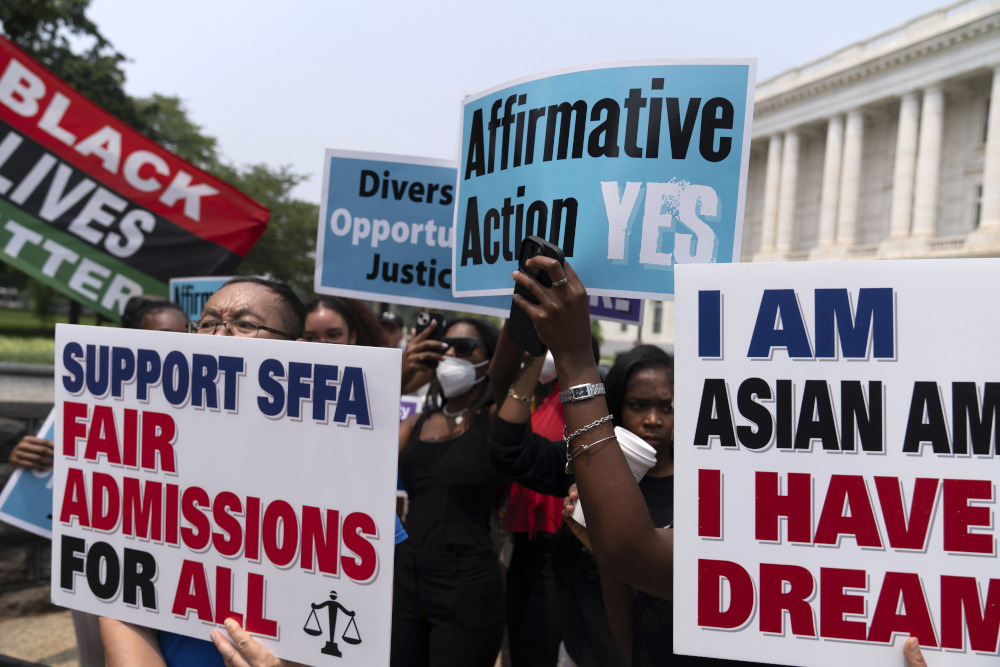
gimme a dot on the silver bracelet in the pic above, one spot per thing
(581, 450)
(567, 438)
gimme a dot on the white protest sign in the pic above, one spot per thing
(205, 477)
(836, 447)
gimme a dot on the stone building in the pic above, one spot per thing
(888, 148)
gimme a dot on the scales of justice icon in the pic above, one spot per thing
(314, 628)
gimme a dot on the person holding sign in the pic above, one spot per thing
(626, 542)
(448, 597)
(251, 308)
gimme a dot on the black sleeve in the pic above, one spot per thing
(534, 462)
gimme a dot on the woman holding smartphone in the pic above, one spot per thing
(448, 596)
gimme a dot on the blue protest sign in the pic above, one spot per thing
(385, 233)
(629, 168)
(617, 309)
(26, 499)
(192, 293)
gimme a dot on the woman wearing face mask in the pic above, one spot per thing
(448, 597)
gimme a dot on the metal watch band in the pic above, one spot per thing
(581, 392)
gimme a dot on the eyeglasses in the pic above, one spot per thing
(464, 347)
(239, 328)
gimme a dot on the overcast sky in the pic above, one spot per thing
(280, 86)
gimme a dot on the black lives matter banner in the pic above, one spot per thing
(96, 210)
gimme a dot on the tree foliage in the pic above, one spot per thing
(287, 251)
(59, 35)
(44, 29)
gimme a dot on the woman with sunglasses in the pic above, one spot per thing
(448, 595)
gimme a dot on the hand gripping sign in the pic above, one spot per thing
(200, 478)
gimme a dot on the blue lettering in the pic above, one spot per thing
(875, 316)
(122, 369)
(325, 391)
(710, 324)
(98, 383)
(176, 378)
(204, 369)
(353, 401)
(148, 374)
(71, 355)
(269, 370)
(232, 368)
(299, 387)
(779, 307)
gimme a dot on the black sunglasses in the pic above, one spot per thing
(464, 347)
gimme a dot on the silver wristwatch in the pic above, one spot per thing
(581, 392)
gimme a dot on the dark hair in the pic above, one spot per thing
(138, 308)
(489, 334)
(293, 313)
(637, 359)
(357, 316)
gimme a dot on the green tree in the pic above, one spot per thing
(168, 124)
(43, 28)
(287, 251)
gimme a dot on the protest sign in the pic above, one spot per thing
(205, 477)
(837, 424)
(26, 499)
(385, 234)
(617, 309)
(96, 210)
(192, 293)
(630, 168)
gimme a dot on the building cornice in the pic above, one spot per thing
(918, 39)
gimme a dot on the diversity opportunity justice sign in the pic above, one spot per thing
(96, 210)
(836, 446)
(386, 234)
(630, 168)
(205, 477)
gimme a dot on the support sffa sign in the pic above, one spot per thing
(632, 169)
(96, 210)
(837, 424)
(200, 478)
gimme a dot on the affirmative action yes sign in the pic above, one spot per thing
(837, 434)
(96, 210)
(630, 168)
(199, 478)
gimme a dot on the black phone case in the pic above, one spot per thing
(520, 328)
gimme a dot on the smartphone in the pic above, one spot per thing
(424, 319)
(519, 326)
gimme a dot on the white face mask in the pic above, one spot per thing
(457, 376)
(548, 372)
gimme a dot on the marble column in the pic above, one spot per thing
(786, 197)
(772, 183)
(831, 181)
(928, 184)
(989, 217)
(901, 208)
(850, 179)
